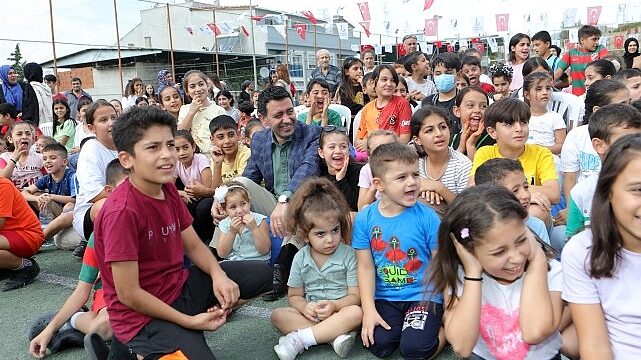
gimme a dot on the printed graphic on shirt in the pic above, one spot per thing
(401, 266)
(501, 332)
(589, 162)
(415, 318)
(168, 232)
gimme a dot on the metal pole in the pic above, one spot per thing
(171, 44)
(314, 37)
(251, 13)
(339, 47)
(216, 46)
(286, 42)
(122, 92)
(53, 41)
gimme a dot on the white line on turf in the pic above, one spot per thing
(246, 310)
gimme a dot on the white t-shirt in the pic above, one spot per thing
(80, 134)
(92, 163)
(427, 88)
(192, 173)
(542, 128)
(499, 332)
(456, 173)
(366, 179)
(578, 154)
(619, 296)
(25, 174)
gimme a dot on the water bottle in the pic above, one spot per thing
(45, 216)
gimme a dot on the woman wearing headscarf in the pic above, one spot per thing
(631, 47)
(12, 91)
(37, 102)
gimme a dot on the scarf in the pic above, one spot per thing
(12, 92)
(628, 58)
(32, 101)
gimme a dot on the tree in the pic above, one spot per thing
(16, 58)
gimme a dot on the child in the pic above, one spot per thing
(323, 288)
(64, 130)
(471, 66)
(597, 70)
(145, 229)
(141, 102)
(153, 100)
(171, 101)
(601, 265)
(23, 165)
(8, 115)
(417, 65)
(92, 162)
(42, 142)
(228, 157)
(245, 110)
(632, 80)
(225, 100)
(351, 91)
(443, 170)
(547, 128)
(579, 161)
(462, 81)
(254, 125)
(509, 304)
(501, 78)
(542, 42)
(507, 122)
(244, 234)
(59, 187)
(606, 126)
(319, 112)
(392, 259)
(196, 116)
(339, 167)
(577, 59)
(388, 112)
(367, 192)
(401, 90)
(195, 174)
(368, 56)
(519, 53)
(399, 69)
(470, 106)
(445, 68)
(83, 130)
(70, 322)
(509, 174)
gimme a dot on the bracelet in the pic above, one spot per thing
(15, 162)
(473, 278)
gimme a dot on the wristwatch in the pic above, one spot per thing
(283, 199)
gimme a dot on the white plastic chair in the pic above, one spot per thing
(355, 125)
(346, 113)
(567, 105)
(46, 128)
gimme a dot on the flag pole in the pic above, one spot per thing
(216, 44)
(118, 45)
(286, 42)
(251, 13)
(53, 41)
(171, 44)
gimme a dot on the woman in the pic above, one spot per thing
(12, 91)
(631, 47)
(133, 91)
(282, 79)
(37, 104)
(246, 91)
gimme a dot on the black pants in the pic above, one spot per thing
(203, 222)
(160, 337)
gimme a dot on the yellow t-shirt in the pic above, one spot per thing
(231, 170)
(200, 125)
(537, 162)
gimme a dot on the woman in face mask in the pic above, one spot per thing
(445, 67)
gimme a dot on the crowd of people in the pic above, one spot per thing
(422, 203)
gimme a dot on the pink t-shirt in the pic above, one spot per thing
(25, 174)
(366, 179)
(135, 227)
(192, 173)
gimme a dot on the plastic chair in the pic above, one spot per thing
(346, 113)
(355, 125)
(46, 128)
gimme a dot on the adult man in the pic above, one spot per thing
(74, 95)
(410, 43)
(326, 71)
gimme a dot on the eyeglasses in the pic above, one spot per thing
(332, 128)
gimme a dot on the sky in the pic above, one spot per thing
(90, 23)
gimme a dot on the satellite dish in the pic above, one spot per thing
(264, 72)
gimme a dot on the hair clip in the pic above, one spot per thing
(465, 233)
(220, 194)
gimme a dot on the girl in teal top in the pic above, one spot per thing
(64, 129)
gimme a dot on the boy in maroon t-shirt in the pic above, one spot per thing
(144, 229)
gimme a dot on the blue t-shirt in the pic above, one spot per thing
(68, 186)
(538, 226)
(401, 248)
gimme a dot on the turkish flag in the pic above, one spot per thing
(400, 48)
(618, 41)
(431, 27)
(365, 25)
(256, 18)
(301, 30)
(450, 48)
(428, 4)
(214, 28)
(502, 21)
(480, 47)
(364, 8)
(244, 30)
(593, 15)
(475, 40)
(310, 16)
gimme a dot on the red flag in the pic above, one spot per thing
(364, 8)
(438, 44)
(475, 40)
(214, 28)
(310, 16)
(301, 30)
(428, 4)
(502, 21)
(450, 48)
(244, 30)
(431, 27)
(593, 15)
(365, 25)
(618, 41)
(480, 47)
(400, 48)
(256, 18)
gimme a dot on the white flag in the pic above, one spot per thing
(573, 35)
(354, 48)
(226, 27)
(205, 30)
(281, 29)
(569, 18)
(343, 30)
(493, 45)
(389, 49)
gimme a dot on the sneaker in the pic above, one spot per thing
(289, 347)
(343, 344)
(66, 339)
(79, 251)
(95, 347)
(40, 324)
(48, 244)
(22, 277)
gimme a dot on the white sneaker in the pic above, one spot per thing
(343, 344)
(288, 347)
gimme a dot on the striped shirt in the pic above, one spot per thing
(89, 270)
(456, 173)
(577, 61)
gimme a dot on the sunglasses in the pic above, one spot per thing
(332, 128)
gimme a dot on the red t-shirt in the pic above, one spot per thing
(135, 227)
(18, 216)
